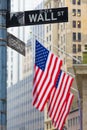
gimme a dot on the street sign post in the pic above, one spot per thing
(16, 44)
(35, 17)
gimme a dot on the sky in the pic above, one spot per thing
(31, 4)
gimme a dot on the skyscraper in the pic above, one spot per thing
(21, 114)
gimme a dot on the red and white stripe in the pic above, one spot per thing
(45, 80)
(59, 123)
(59, 96)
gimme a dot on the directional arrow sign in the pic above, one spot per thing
(34, 17)
(16, 44)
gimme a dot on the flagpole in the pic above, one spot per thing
(57, 48)
(67, 54)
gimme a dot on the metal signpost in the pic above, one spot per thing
(4, 6)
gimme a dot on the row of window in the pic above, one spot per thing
(76, 12)
(49, 38)
(74, 121)
(78, 2)
(76, 37)
(49, 28)
(48, 126)
(76, 24)
(76, 48)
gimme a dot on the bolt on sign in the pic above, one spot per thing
(35, 17)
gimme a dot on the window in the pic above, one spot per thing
(50, 27)
(79, 24)
(74, 61)
(61, 39)
(74, 12)
(74, 24)
(79, 2)
(79, 48)
(50, 48)
(49, 37)
(47, 28)
(79, 37)
(73, 121)
(49, 5)
(79, 58)
(50, 125)
(68, 123)
(73, 1)
(47, 126)
(58, 36)
(64, 38)
(78, 12)
(74, 36)
(63, 2)
(76, 120)
(85, 47)
(61, 27)
(74, 48)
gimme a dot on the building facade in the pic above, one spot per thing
(70, 37)
(73, 120)
(21, 113)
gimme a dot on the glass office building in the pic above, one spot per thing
(21, 114)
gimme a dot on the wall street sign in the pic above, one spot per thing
(54, 15)
(16, 44)
(34, 17)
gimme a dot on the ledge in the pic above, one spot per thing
(80, 69)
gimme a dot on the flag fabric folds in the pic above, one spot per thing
(59, 95)
(46, 70)
(59, 123)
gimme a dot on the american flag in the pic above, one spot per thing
(59, 123)
(47, 68)
(59, 95)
